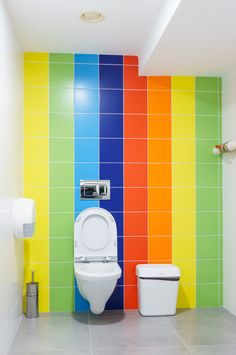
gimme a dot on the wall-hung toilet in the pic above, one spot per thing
(95, 253)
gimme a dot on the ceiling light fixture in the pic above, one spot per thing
(92, 16)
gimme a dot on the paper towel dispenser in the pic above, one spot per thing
(95, 189)
(23, 217)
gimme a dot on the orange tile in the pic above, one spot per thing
(159, 83)
(132, 80)
(135, 126)
(131, 297)
(159, 199)
(135, 223)
(130, 272)
(159, 102)
(159, 223)
(135, 175)
(135, 101)
(135, 150)
(159, 175)
(159, 151)
(160, 248)
(131, 59)
(135, 249)
(135, 199)
(159, 126)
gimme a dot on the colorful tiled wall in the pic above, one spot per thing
(93, 117)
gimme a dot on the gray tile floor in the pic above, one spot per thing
(202, 332)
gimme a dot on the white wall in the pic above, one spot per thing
(229, 192)
(11, 179)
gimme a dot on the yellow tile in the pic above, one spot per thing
(41, 273)
(183, 199)
(187, 271)
(36, 250)
(36, 175)
(36, 149)
(183, 102)
(183, 248)
(36, 125)
(183, 127)
(183, 83)
(36, 56)
(36, 74)
(36, 100)
(183, 151)
(183, 175)
(41, 225)
(183, 223)
(186, 296)
(40, 195)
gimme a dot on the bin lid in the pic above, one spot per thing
(157, 270)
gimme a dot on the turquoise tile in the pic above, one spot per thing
(86, 76)
(86, 150)
(81, 205)
(86, 58)
(86, 172)
(86, 101)
(87, 125)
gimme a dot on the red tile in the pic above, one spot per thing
(135, 150)
(135, 101)
(135, 199)
(131, 297)
(135, 126)
(132, 80)
(135, 175)
(131, 59)
(136, 248)
(135, 223)
(130, 272)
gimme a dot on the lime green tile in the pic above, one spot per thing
(208, 247)
(204, 152)
(61, 125)
(61, 100)
(61, 75)
(208, 271)
(61, 274)
(61, 174)
(61, 299)
(207, 175)
(207, 103)
(61, 250)
(61, 150)
(207, 199)
(208, 295)
(61, 58)
(207, 223)
(204, 83)
(207, 127)
(61, 225)
(61, 199)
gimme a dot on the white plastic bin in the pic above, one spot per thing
(157, 289)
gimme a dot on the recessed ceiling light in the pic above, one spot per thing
(92, 16)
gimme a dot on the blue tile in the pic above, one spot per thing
(86, 100)
(86, 150)
(111, 76)
(81, 205)
(87, 125)
(111, 101)
(120, 241)
(81, 305)
(113, 172)
(86, 172)
(110, 59)
(119, 222)
(86, 76)
(86, 58)
(111, 150)
(120, 281)
(111, 126)
(116, 201)
(116, 301)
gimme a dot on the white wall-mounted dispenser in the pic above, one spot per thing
(23, 217)
(224, 148)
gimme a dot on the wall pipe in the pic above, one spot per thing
(224, 148)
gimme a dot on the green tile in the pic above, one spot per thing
(207, 103)
(61, 174)
(61, 274)
(207, 175)
(207, 127)
(61, 58)
(61, 299)
(204, 151)
(207, 199)
(208, 295)
(207, 223)
(204, 83)
(208, 247)
(61, 75)
(61, 250)
(61, 199)
(61, 125)
(61, 150)
(221, 295)
(61, 100)
(219, 128)
(61, 225)
(208, 271)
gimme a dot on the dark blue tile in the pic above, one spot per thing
(111, 101)
(110, 59)
(111, 150)
(120, 244)
(111, 126)
(112, 172)
(119, 222)
(120, 281)
(116, 301)
(116, 201)
(111, 76)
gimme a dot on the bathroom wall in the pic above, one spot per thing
(11, 179)
(92, 116)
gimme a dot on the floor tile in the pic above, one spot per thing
(213, 350)
(144, 351)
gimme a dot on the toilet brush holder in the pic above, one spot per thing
(32, 294)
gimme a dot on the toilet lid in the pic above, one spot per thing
(95, 232)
